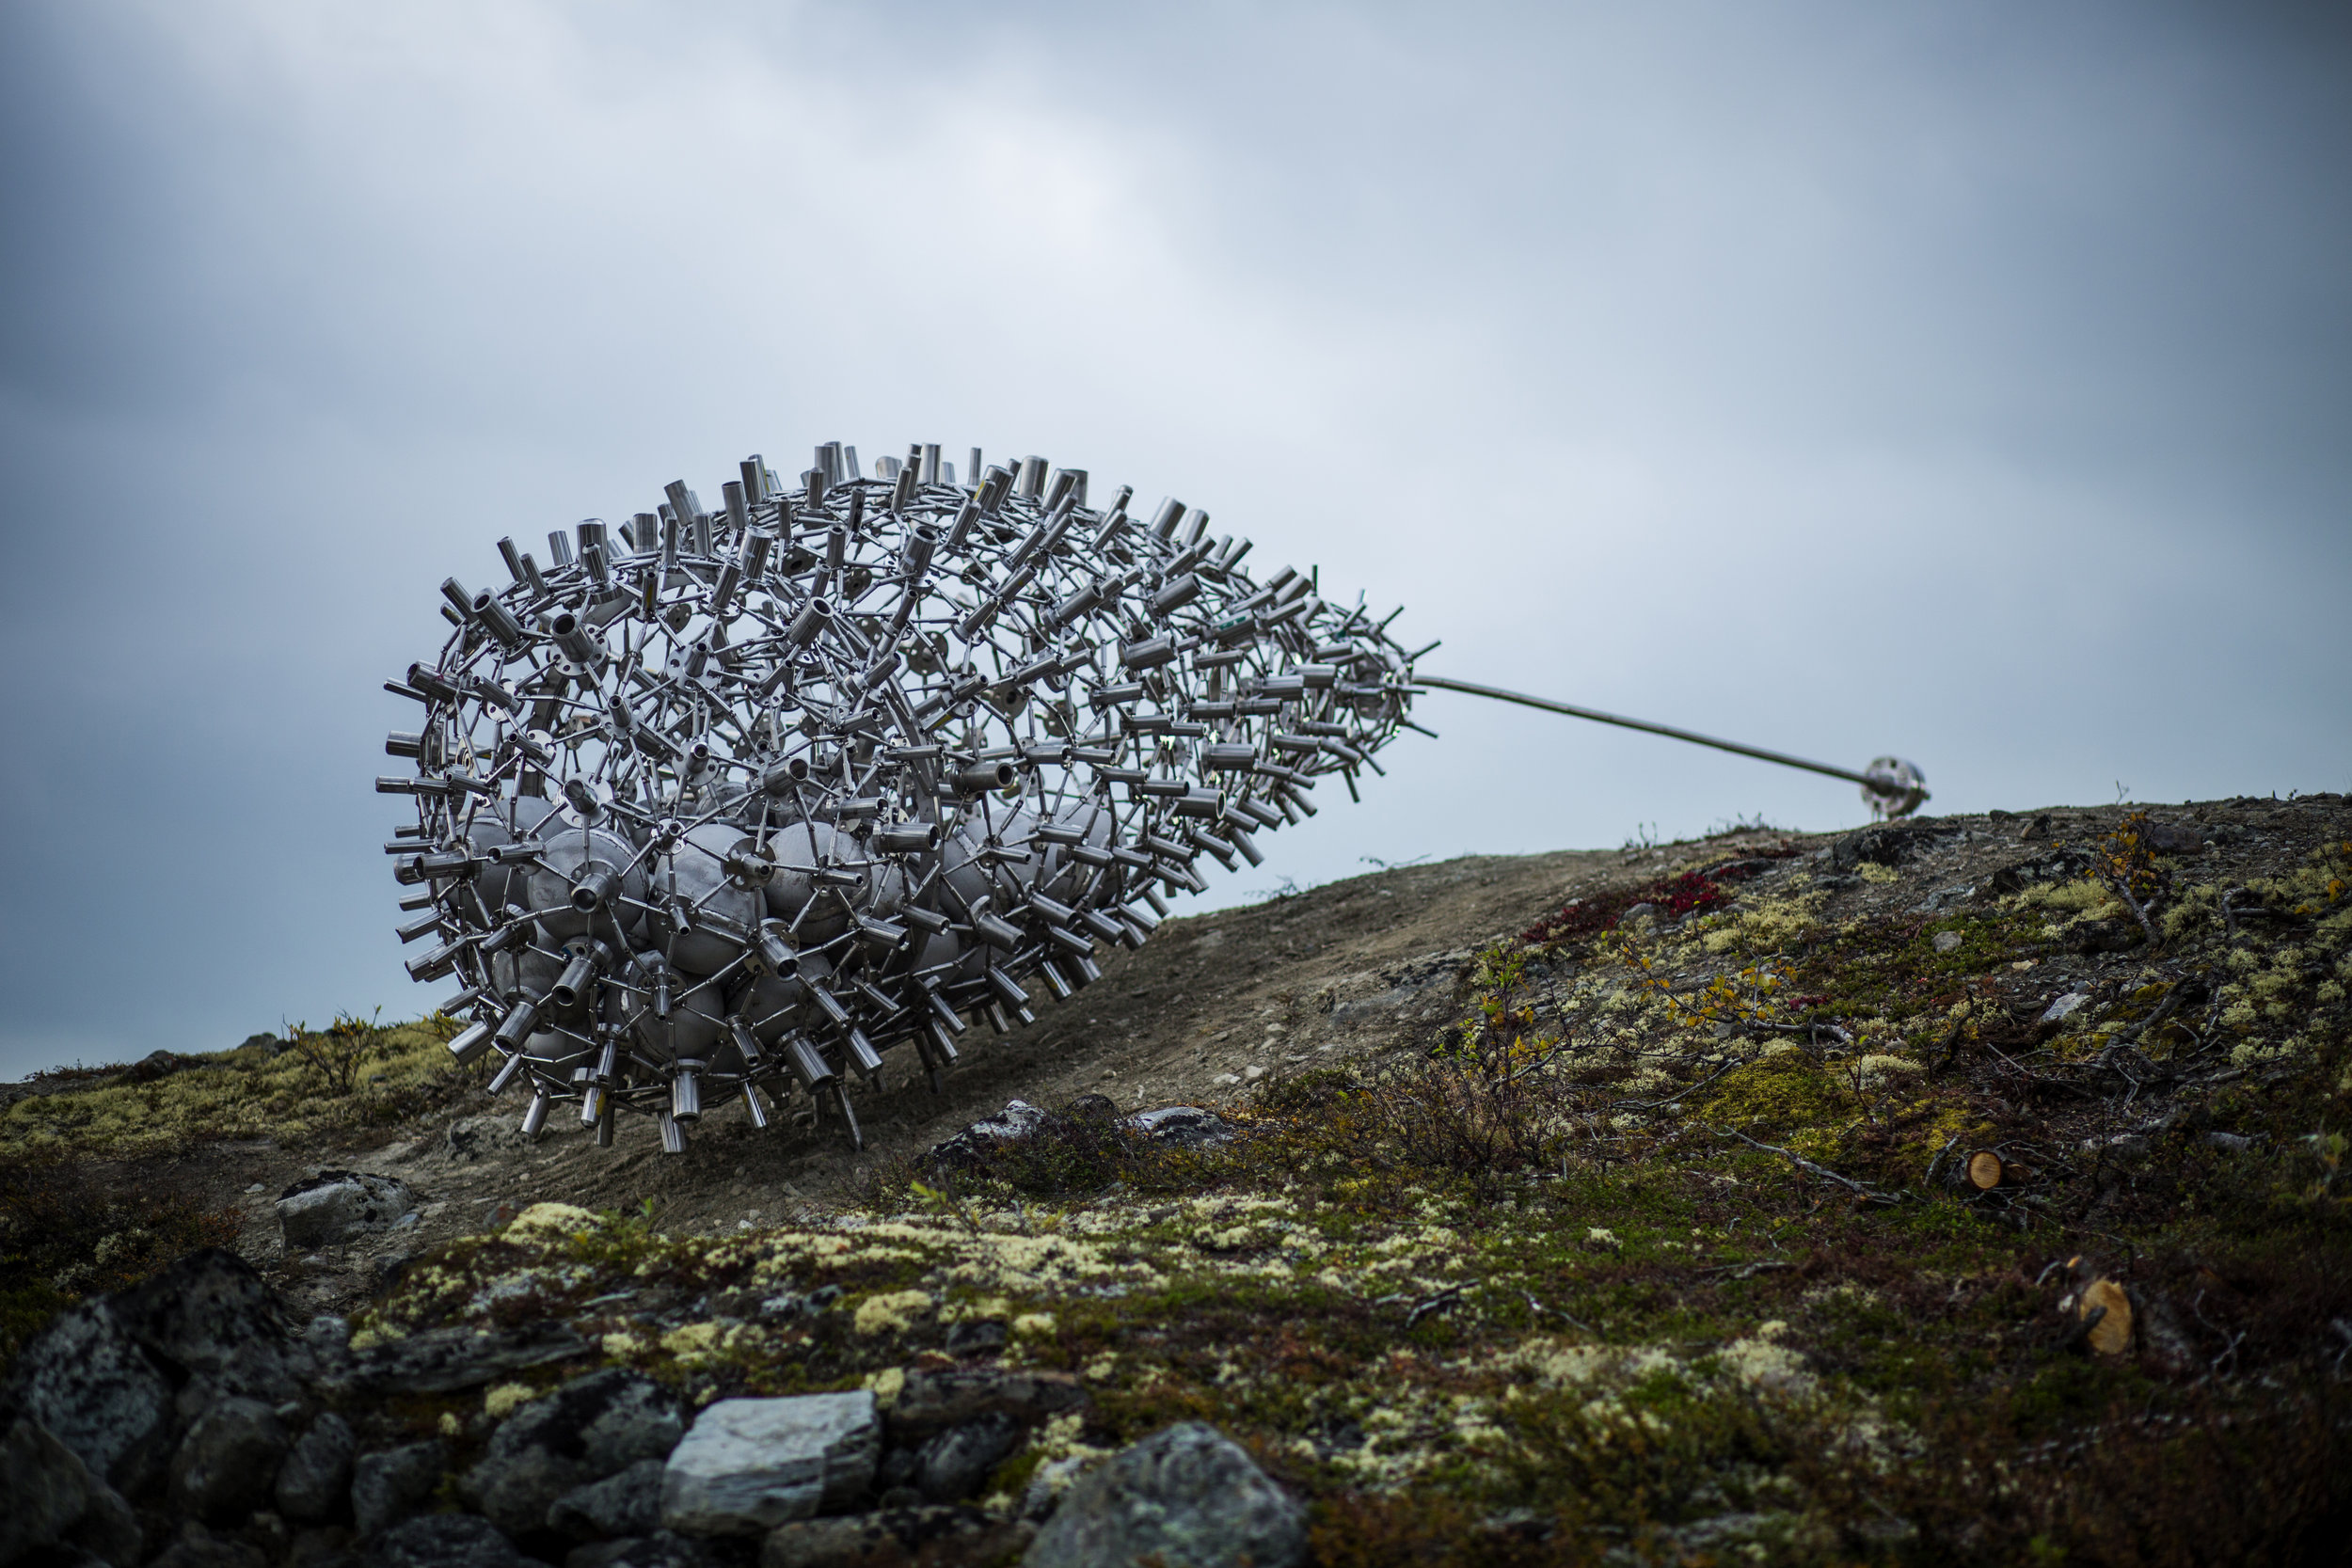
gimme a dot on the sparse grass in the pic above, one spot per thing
(1515, 1294)
(75, 1228)
(353, 1074)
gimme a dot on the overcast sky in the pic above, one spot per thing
(1969, 381)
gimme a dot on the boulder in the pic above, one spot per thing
(626, 1503)
(1185, 1497)
(226, 1464)
(895, 1538)
(748, 1466)
(338, 1206)
(445, 1541)
(99, 1391)
(213, 1317)
(316, 1475)
(388, 1485)
(584, 1431)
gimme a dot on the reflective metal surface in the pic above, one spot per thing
(728, 804)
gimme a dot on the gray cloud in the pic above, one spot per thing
(1961, 383)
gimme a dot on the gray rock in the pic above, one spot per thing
(108, 1528)
(388, 1485)
(1948, 942)
(99, 1391)
(47, 1486)
(338, 1206)
(445, 1541)
(320, 1548)
(443, 1360)
(933, 1400)
(585, 1431)
(954, 1463)
(749, 1464)
(660, 1548)
(1182, 1126)
(316, 1475)
(197, 1547)
(1016, 1122)
(1887, 844)
(1188, 1496)
(226, 1465)
(934, 1537)
(2063, 1009)
(626, 1503)
(211, 1313)
(977, 1337)
(1640, 915)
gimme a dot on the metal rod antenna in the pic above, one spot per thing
(1870, 781)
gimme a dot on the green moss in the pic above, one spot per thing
(249, 1092)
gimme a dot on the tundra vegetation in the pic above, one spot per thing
(1715, 1226)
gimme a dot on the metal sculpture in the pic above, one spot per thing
(727, 804)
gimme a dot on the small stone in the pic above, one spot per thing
(2175, 838)
(626, 1503)
(1189, 1496)
(587, 1429)
(749, 1464)
(1253, 1072)
(445, 1541)
(228, 1461)
(1948, 942)
(1638, 916)
(336, 1206)
(387, 1486)
(1016, 1122)
(317, 1473)
(2107, 936)
(2063, 1009)
(1181, 1126)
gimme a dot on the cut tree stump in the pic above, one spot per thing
(1984, 1170)
(2112, 1334)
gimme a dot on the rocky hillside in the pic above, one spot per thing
(1965, 1190)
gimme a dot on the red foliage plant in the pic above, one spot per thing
(1673, 896)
